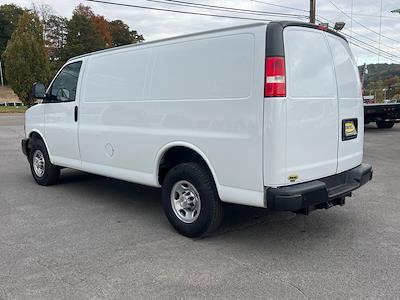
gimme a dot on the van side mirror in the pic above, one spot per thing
(39, 91)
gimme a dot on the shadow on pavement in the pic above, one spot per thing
(125, 196)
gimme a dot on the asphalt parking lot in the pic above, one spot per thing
(99, 238)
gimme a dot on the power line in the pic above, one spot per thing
(362, 25)
(175, 11)
(372, 16)
(281, 6)
(224, 8)
(377, 33)
(367, 47)
(373, 52)
(356, 42)
(363, 36)
(372, 40)
(178, 11)
(386, 54)
(373, 47)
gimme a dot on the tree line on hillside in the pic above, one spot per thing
(382, 80)
(35, 43)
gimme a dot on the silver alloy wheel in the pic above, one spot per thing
(38, 163)
(185, 201)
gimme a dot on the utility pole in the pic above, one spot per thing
(312, 11)
(364, 71)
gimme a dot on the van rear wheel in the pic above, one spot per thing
(384, 124)
(43, 171)
(190, 200)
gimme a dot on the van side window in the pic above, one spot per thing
(64, 86)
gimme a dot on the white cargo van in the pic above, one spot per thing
(266, 115)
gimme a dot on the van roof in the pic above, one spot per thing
(281, 23)
(170, 38)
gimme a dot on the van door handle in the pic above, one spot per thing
(76, 114)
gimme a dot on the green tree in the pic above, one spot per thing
(54, 34)
(122, 35)
(55, 38)
(83, 36)
(26, 58)
(9, 16)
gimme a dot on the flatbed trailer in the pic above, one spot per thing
(385, 115)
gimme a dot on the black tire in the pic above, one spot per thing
(384, 124)
(210, 215)
(51, 172)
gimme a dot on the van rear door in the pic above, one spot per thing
(312, 109)
(350, 104)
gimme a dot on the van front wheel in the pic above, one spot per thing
(43, 171)
(190, 200)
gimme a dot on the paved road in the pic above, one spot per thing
(93, 237)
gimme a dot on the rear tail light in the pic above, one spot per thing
(323, 26)
(275, 77)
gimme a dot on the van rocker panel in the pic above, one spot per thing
(322, 193)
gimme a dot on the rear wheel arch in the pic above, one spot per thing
(176, 153)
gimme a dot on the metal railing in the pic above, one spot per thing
(11, 104)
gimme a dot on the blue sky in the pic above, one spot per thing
(157, 24)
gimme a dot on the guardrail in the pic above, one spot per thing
(11, 104)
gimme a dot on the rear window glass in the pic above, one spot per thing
(309, 64)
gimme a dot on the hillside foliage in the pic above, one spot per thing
(382, 77)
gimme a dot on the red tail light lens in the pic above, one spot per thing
(323, 27)
(275, 77)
